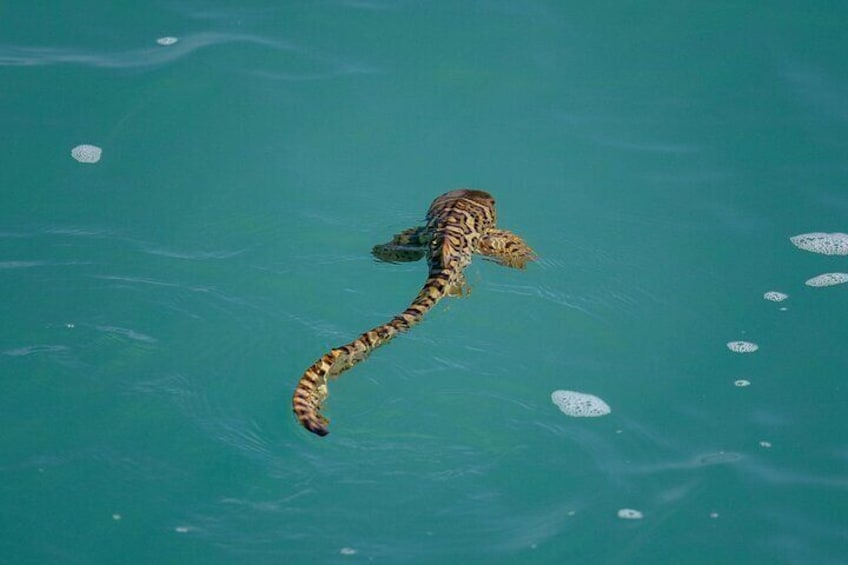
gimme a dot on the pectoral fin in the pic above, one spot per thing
(505, 248)
(404, 247)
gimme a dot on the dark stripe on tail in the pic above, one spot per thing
(311, 390)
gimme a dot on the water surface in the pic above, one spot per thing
(160, 304)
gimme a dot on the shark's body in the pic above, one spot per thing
(458, 224)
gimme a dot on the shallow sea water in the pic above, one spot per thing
(161, 300)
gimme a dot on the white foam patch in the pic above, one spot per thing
(775, 296)
(742, 383)
(86, 153)
(580, 404)
(167, 41)
(630, 514)
(828, 279)
(742, 346)
(347, 551)
(824, 243)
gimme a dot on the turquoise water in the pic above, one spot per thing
(160, 305)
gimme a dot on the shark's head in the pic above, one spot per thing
(479, 196)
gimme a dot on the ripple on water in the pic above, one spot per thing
(29, 350)
(718, 458)
(150, 56)
(128, 333)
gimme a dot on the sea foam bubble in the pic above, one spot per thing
(775, 296)
(579, 404)
(742, 346)
(630, 514)
(86, 153)
(824, 243)
(827, 279)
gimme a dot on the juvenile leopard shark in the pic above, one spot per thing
(458, 224)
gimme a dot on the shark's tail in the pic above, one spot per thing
(312, 390)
